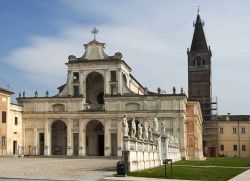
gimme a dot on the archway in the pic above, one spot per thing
(59, 138)
(95, 138)
(95, 88)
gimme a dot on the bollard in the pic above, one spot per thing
(166, 162)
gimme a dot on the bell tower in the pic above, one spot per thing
(200, 86)
(199, 69)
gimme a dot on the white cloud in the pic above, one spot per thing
(153, 39)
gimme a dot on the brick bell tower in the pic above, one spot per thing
(200, 86)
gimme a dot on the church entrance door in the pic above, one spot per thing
(95, 138)
(41, 143)
(59, 138)
(75, 142)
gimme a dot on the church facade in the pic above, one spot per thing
(85, 117)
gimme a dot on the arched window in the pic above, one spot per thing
(193, 63)
(198, 59)
(203, 61)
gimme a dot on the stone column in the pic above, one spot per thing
(69, 83)
(119, 78)
(107, 80)
(119, 137)
(182, 138)
(82, 139)
(107, 149)
(35, 146)
(69, 138)
(81, 83)
(47, 138)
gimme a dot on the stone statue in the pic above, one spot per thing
(182, 92)
(47, 93)
(36, 94)
(20, 94)
(145, 131)
(174, 90)
(156, 123)
(163, 128)
(133, 130)
(125, 127)
(23, 93)
(150, 134)
(140, 131)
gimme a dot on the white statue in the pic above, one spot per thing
(139, 131)
(156, 122)
(125, 127)
(163, 128)
(150, 134)
(145, 131)
(133, 130)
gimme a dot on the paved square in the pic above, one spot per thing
(13, 168)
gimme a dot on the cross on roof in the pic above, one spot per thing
(94, 32)
(198, 10)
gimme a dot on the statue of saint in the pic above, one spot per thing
(133, 130)
(163, 128)
(47, 93)
(36, 94)
(140, 131)
(145, 131)
(156, 122)
(150, 134)
(125, 127)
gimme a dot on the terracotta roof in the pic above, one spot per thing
(199, 41)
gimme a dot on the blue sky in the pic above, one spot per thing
(153, 36)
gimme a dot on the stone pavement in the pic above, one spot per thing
(138, 179)
(245, 176)
(56, 169)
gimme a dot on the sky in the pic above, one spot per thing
(38, 36)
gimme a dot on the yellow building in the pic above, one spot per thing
(10, 125)
(234, 135)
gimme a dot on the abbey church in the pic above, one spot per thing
(85, 117)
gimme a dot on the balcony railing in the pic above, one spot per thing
(94, 107)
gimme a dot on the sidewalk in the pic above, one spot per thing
(138, 179)
(245, 176)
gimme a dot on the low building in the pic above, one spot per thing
(10, 125)
(234, 135)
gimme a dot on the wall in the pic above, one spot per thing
(228, 138)
(194, 131)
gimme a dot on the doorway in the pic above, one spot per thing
(59, 138)
(113, 144)
(101, 145)
(76, 143)
(95, 138)
(14, 147)
(41, 143)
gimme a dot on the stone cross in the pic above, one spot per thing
(94, 32)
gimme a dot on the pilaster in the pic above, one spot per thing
(107, 147)
(69, 137)
(47, 138)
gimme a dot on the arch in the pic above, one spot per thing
(95, 88)
(94, 138)
(124, 77)
(132, 106)
(58, 107)
(58, 138)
